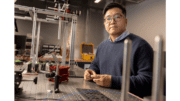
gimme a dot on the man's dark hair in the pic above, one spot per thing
(114, 5)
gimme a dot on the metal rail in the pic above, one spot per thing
(39, 19)
(45, 11)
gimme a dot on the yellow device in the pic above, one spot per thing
(87, 51)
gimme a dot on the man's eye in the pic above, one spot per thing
(108, 18)
(117, 17)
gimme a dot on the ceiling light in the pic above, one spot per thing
(97, 1)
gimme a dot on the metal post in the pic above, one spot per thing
(71, 60)
(126, 69)
(37, 44)
(64, 44)
(158, 72)
(33, 37)
(59, 29)
(74, 37)
(56, 86)
(73, 32)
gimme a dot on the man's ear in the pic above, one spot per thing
(104, 24)
(126, 22)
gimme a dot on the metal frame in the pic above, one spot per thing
(33, 12)
(45, 11)
(39, 20)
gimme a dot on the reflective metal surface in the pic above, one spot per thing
(158, 71)
(126, 69)
(68, 89)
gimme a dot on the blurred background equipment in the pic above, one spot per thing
(87, 51)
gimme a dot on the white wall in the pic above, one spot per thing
(147, 19)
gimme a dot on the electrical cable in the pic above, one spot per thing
(48, 95)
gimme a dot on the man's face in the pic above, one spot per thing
(115, 21)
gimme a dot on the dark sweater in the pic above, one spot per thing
(109, 60)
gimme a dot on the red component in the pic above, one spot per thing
(56, 9)
(68, 11)
(63, 73)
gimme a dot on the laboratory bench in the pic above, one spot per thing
(75, 89)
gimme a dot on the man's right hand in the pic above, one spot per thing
(88, 73)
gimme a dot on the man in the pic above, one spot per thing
(106, 68)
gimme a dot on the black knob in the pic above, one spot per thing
(35, 80)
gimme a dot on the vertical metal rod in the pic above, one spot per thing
(33, 37)
(37, 44)
(57, 63)
(72, 46)
(75, 23)
(71, 35)
(63, 52)
(158, 72)
(64, 44)
(56, 85)
(59, 29)
(62, 33)
(126, 69)
(73, 41)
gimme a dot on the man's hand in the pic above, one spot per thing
(102, 80)
(88, 73)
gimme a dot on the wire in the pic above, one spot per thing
(48, 95)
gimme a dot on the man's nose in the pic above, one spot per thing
(113, 20)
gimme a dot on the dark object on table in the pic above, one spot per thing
(43, 67)
(50, 75)
(29, 67)
(96, 95)
(35, 80)
(36, 67)
(93, 95)
(18, 79)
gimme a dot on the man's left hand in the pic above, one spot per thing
(102, 80)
